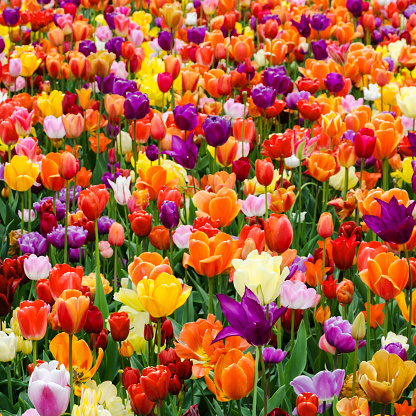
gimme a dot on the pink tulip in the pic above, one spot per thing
(49, 389)
(209, 6)
(123, 10)
(27, 147)
(22, 120)
(295, 295)
(20, 84)
(105, 249)
(254, 206)
(349, 103)
(119, 69)
(136, 36)
(54, 128)
(103, 33)
(181, 236)
(234, 110)
(121, 23)
(65, 23)
(15, 67)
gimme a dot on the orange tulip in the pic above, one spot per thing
(227, 153)
(278, 49)
(222, 206)
(388, 136)
(91, 121)
(210, 82)
(314, 272)
(233, 376)
(282, 200)
(358, 117)
(148, 264)
(114, 105)
(78, 65)
(219, 180)
(321, 166)
(403, 409)
(83, 177)
(74, 125)
(84, 96)
(49, 172)
(190, 80)
(104, 142)
(376, 314)
(211, 256)
(72, 310)
(241, 47)
(386, 275)
(154, 178)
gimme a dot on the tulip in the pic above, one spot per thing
(43, 291)
(169, 214)
(63, 277)
(37, 267)
(94, 321)
(93, 200)
(15, 67)
(130, 376)
(54, 127)
(100, 63)
(278, 232)
(136, 106)
(307, 404)
(162, 296)
(406, 101)
(8, 133)
(325, 226)
(72, 310)
(216, 130)
(116, 235)
(139, 402)
(154, 382)
(22, 121)
(7, 346)
(186, 117)
(296, 295)
(344, 251)
(73, 125)
(32, 317)
(20, 174)
(264, 171)
(141, 223)
(159, 238)
(121, 189)
(164, 80)
(68, 166)
(30, 63)
(119, 326)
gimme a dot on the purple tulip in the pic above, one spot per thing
(390, 63)
(409, 11)
(169, 214)
(109, 18)
(325, 384)
(267, 17)
(319, 50)
(396, 348)
(355, 7)
(303, 26)
(11, 16)
(395, 225)
(246, 68)
(197, 34)
(106, 85)
(319, 22)
(186, 117)
(184, 153)
(62, 194)
(2, 44)
(263, 97)
(74, 255)
(334, 82)
(348, 135)
(294, 97)
(338, 335)
(33, 243)
(164, 39)
(152, 152)
(104, 224)
(87, 47)
(136, 106)
(273, 356)
(114, 45)
(414, 176)
(108, 176)
(412, 140)
(112, 130)
(76, 237)
(217, 130)
(123, 86)
(276, 78)
(248, 319)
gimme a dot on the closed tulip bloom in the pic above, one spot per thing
(51, 179)
(365, 143)
(254, 206)
(49, 389)
(116, 235)
(27, 147)
(164, 81)
(15, 67)
(119, 323)
(30, 63)
(37, 267)
(162, 296)
(72, 310)
(140, 404)
(100, 63)
(233, 376)
(93, 200)
(325, 226)
(263, 97)
(279, 233)
(63, 277)
(406, 100)
(386, 376)
(7, 346)
(54, 127)
(68, 166)
(172, 15)
(20, 174)
(73, 125)
(264, 171)
(295, 295)
(155, 382)
(136, 106)
(141, 223)
(8, 133)
(169, 214)
(121, 189)
(261, 274)
(186, 117)
(22, 121)
(321, 166)
(94, 322)
(33, 319)
(386, 275)
(307, 404)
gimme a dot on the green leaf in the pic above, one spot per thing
(298, 357)
(111, 362)
(334, 406)
(275, 400)
(6, 405)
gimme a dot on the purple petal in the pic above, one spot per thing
(226, 332)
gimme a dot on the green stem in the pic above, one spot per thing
(354, 369)
(256, 372)
(265, 201)
(23, 210)
(159, 336)
(115, 276)
(171, 250)
(323, 260)
(34, 352)
(346, 183)
(71, 381)
(210, 294)
(368, 323)
(9, 383)
(29, 205)
(385, 175)
(66, 222)
(292, 332)
(264, 380)
(386, 319)
(409, 324)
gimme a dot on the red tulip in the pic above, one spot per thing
(307, 404)
(343, 252)
(130, 376)
(119, 326)
(33, 319)
(279, 233)
(155, 382)
(164, 81)
(140, 404)
(63, 277)
(93, 200)
(264, 171)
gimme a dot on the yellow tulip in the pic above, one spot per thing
(20, 174)
(406, 100)
(389, 93)
(386, 376)
(30, 63)
(172, 15)
(101, 63)
(162, 296)
(51, 105)
(332, 123)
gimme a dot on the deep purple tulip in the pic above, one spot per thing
(152, 152)
(74, 255)
(106, 85)
(294, 97)
(273, 356)
(114, 45)
(267, 17)
(136, 106)
(377, 36)
(319, 22)
(276, 78)
(325, 384)
(109, 18)
(414, 176)
(76, 237)
(412, 140)
(248, 319)
(355, 7)
(112, 130)
(390, 63)
(217, 130)
(33, 243)
(334, 82)
(62, 194)
(186, 117)
(319, 50)
(2, 44)
(338, 335)
(303, 26)
(164, 39)
(395, 225)
(348, 135)
(11, 16)
(197, 34)
(396, 348)
(263, 97)
(104, 224)
(246, 68)
(184, 153)
(87, 47)
(123, 86)
(169, 214)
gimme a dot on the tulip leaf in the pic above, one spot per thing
(111, 362)
(5, 405)
(275, 400)
(297, 361)
(334, 406)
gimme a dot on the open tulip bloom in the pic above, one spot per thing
(207, 207)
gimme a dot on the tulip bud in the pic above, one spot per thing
(157, 128)
(101, 340)
(119, 326)
(224, 85)
(278, 232)
(249, 187)
(126, 349)
(112, 156)
(148, 332)
(168, 329)
(322, 315)
(68, 166)
(94, 322)
(358, 327)
(173, 66)
(175, 385)
(345, 292)
(116, 235)
(329, 287)
(325, 225)
(130, 376)
(264, 171)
